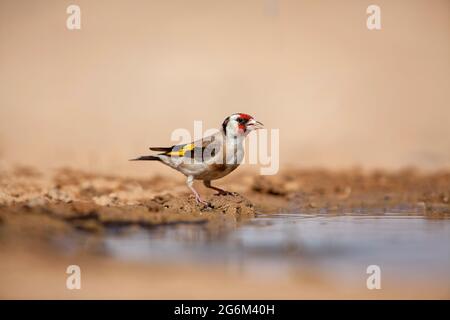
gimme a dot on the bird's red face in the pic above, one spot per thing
(240, 124)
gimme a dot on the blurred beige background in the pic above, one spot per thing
(341, 95)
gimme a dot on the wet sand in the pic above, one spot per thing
(38, 211)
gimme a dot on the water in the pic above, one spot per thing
(278, 245)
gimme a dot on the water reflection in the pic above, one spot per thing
(276, 244)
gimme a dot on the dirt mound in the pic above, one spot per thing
(71, 199)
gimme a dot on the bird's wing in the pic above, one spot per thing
(189, 150)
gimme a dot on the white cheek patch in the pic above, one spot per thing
(233, 127)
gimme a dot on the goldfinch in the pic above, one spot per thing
(210, 158)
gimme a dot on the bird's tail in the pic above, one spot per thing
(163, 149)
(148, 158)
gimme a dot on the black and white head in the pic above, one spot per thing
(240, 125)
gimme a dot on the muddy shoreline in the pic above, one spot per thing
(40, 211)
(67, 198)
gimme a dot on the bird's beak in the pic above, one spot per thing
(256, 124)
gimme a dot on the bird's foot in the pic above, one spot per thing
(201, 201)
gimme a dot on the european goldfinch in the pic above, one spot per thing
(212, 157)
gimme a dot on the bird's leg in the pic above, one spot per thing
(190, 184)
(207, 184)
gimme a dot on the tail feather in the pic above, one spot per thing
(163, 149)
(148, 158)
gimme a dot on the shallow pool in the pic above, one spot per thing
(277, 245)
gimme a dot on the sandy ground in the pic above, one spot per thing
(36, 207)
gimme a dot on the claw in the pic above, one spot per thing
(225, 193)
(200, 200)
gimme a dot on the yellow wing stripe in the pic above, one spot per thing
(182, 151)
